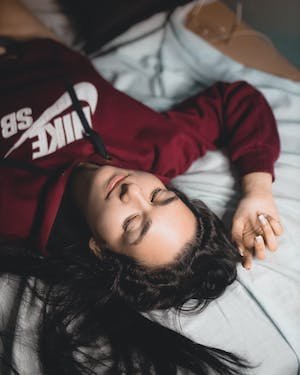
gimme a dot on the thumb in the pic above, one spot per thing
(237, 238)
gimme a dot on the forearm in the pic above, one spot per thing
(256, 182)
(242, 44)
(18, 22)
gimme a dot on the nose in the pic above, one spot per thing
(132, 193)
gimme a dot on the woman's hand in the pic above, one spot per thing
(256, 224)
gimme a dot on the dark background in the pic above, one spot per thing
(105, 19)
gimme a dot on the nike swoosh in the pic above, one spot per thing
(84, 91)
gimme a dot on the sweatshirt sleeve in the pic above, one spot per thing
(235, 117)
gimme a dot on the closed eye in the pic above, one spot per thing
(159, 197)
(162, 197)
(154, 193)
(127, 224)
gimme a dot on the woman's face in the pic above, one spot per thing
(135, 214)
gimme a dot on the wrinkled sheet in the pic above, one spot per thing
(258, 316)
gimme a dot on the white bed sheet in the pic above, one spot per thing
(259, 314)
(170, 66)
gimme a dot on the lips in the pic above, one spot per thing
(113, 183)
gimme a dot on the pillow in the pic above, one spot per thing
(97, 22)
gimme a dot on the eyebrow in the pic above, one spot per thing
(148, 224)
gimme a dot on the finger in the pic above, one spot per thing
(269, 236)
(247, 260)
(237, 237)
(241, 248)
(246, 254)
(276, 225)
(259, 247)
(237, 232)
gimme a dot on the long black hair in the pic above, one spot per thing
(91, 321)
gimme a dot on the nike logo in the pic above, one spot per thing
(65, 129)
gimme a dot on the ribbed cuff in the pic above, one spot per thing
(256, 161)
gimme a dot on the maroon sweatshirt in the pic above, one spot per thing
(42, 136)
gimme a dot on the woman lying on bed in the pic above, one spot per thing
(87, 184)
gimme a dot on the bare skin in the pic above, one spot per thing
(256, 224)
(18, 22)
(120, 216)
(178, 221)
(216, 23)
(134, 213)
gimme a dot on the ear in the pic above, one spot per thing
(94, 246)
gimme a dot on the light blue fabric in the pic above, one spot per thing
(259, 315)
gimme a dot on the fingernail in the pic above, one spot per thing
(241, 251)
(262, 219)
(259, 238)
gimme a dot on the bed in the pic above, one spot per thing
(258, 317)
